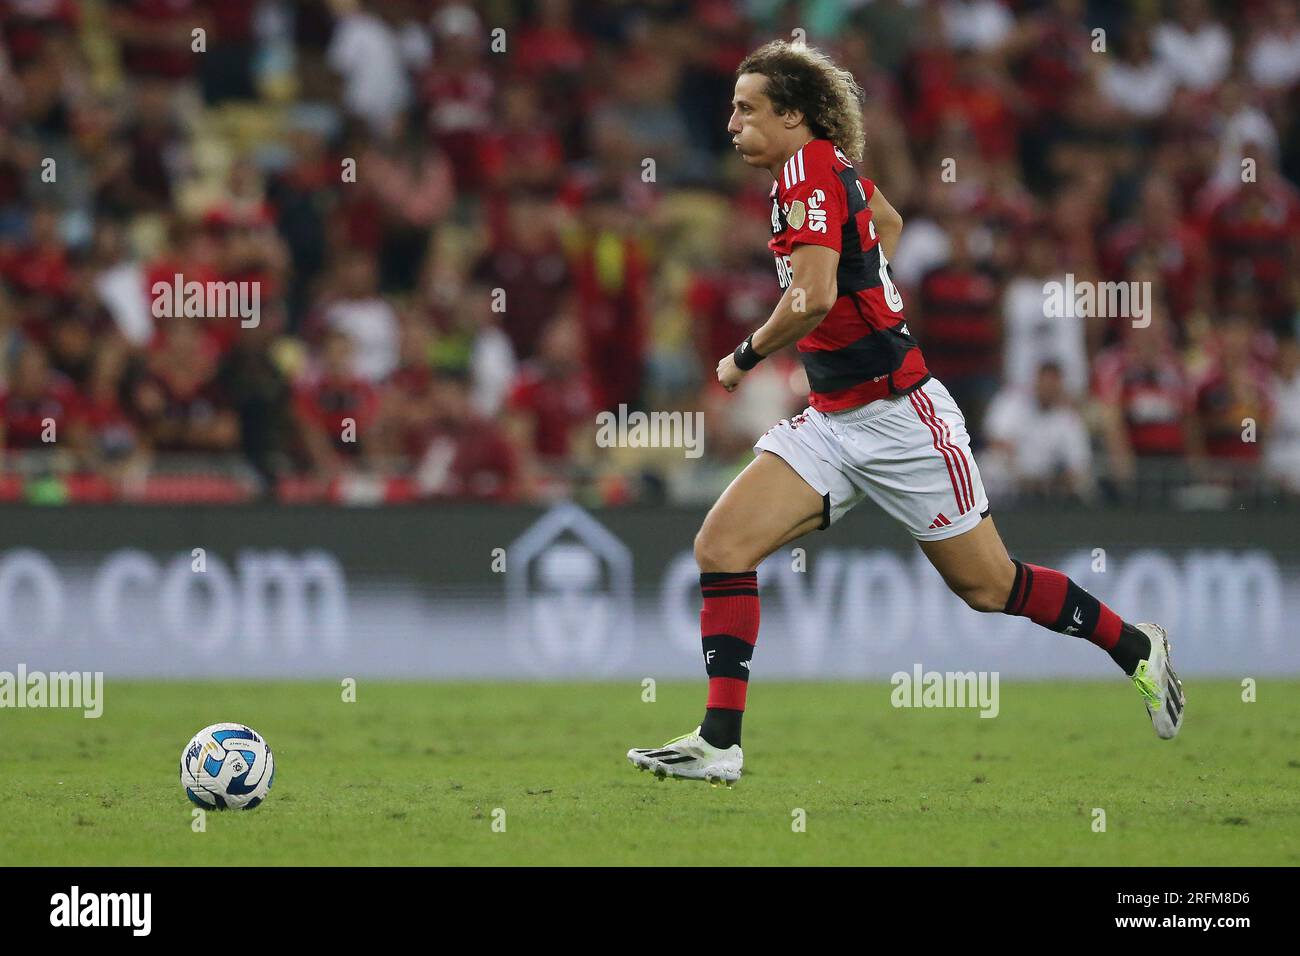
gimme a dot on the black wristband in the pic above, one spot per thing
(745, 355)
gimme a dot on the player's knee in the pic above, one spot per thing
(715, 552)
(988, 594)
(983, 596)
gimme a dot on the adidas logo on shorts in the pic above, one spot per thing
(939, 522)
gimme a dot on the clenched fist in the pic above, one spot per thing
(729, 374)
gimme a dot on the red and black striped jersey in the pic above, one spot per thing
(862, 350)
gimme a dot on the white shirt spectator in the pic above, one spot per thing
(1143, 90)
(1282, 443)
(1274, 59)
(373, 327)
(121, 290)
(492, 370)
(369, 55)
(1033, 337)
(416, 46)
(1043, 442)
(1243, 134)
(1198, 59)
(976, 24)
(923, 245)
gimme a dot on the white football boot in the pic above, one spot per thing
(691, 757)
(1159, 685)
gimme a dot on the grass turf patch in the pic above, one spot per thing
(413, 773)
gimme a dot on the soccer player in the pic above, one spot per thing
(879, 426)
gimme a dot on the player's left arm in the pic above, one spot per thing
(804, 304)
(889, 224)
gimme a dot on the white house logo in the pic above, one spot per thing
(569, 595)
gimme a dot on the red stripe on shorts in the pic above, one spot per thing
(941, 449)
(961, 458)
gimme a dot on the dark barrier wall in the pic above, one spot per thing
(491, 591)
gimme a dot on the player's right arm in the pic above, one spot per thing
(810, 296)
(804, 304)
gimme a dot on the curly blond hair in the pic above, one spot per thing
(806, 79)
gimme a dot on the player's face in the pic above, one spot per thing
(757, 132)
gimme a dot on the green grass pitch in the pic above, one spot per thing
(412, 773)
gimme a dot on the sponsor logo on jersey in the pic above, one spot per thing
(816, 214)
(796, 214)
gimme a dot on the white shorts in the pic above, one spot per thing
(910, 454)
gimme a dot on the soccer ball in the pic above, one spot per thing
(227, 766)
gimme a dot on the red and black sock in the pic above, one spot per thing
(1049, 598)
(729, 628)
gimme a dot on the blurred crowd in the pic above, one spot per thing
(473, 227)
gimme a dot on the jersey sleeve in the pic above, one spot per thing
(814, 203)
